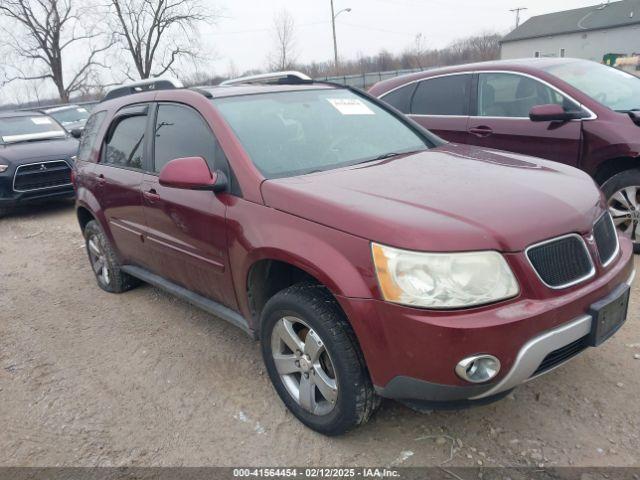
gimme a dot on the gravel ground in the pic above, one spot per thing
(88, 378)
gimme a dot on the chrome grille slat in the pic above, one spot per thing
(32, 177)
(561, 262)
(606, 237)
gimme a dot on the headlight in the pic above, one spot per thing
(443, 280)
(3, 168)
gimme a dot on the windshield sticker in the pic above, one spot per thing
(81, 110)
(350, 106)
(41, 120)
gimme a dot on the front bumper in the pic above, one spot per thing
(412, 354)
(14, 199)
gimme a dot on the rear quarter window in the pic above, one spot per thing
(401, 98)
(88, 140)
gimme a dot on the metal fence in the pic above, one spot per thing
(365, 80)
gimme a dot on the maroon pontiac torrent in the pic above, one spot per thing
(571, 111)
(369, 258)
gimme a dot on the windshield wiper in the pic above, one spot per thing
(386, 156)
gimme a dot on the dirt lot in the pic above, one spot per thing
(88, 378)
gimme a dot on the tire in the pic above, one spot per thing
(102, 258)
(4, 212)
(330, 356)
(623, 196)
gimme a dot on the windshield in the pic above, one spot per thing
(70, 115)
(29, 127)
(613, 88)
(293, 133)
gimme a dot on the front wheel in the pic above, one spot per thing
(623, 195)
(314, 360)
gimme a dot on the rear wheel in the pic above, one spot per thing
(623, 195)
(3, 212)
(103, 260)
(314, 361)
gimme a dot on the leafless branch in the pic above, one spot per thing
(47, 31)
(158, 33)
(284, 54)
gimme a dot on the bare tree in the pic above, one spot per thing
(414, 55)
(158, 33)
(284, 54)
(49, 33)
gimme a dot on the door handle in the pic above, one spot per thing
(481, 131)
(151, 196)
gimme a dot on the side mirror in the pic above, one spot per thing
(76, 133)
(551, 113)
(191, 173)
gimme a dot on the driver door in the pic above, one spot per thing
(501, 119)
(186, 229)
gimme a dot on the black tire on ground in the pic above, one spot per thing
(115, 281)
(356, 399)
(4, 212)
(628, 178)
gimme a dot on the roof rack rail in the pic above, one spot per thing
(278, 78)
(142, 86)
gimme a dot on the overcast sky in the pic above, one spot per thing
(245, 34)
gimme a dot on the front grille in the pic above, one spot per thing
(561, 355)
(561, 262)
(604, 232)
(39, 176)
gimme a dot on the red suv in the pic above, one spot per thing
(572, 111)
(368, 257)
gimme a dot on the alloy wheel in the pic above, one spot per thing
(624, 206)
(304, 365)
(98, 260)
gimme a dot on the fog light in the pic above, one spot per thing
(478, 368)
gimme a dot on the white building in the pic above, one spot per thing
(600, 33)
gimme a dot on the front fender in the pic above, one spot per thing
(606, 140)
(340, 261)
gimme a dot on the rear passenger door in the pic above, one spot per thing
(186, 229)
(439, 104)
(118, 179)
(502, 118)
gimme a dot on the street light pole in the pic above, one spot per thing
(335, 40)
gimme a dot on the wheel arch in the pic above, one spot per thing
(84, 216)
(272, 271)
(613, 166)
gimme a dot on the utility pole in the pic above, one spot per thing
(517, 12)
(335, 41)
(333, 25)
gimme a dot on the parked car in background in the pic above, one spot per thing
(71, 117)
(571, 111)
(368, 257)
(36, 157)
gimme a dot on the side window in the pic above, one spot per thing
(125, 148)
(447, 95)
(89, 135)
(513, 95)
(181, 132)
(401, 98)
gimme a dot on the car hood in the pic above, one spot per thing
(450, 198)
(28, 152)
